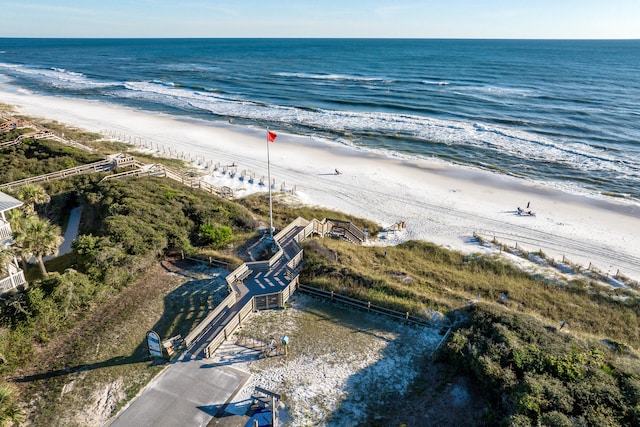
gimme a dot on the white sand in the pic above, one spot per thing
(333, 372)
(440, 203)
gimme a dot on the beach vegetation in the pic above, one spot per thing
(535, 347)
(10, 412)
(290, 209)
(38, 157)
(539, 375)
(541, 352)
(215, 235)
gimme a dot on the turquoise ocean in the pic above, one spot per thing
(561, 113)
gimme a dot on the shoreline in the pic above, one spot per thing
(440, 203)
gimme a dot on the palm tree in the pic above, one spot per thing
(18, 220)
(38, 238)
(9, 411)
(32, 195)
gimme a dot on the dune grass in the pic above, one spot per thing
(141, 220)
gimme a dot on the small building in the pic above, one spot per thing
(11, 275)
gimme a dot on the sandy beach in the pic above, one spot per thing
(441, 203)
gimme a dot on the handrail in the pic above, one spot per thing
(199, 330)
(364, 305)
(5, 230)
(77, 170)
(12, 281)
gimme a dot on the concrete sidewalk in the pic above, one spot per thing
(71, 232)
(186, 393)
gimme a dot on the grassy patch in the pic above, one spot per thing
(420, 277)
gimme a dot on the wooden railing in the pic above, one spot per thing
(37, 133)
(163, 171)
(259, 302)
(12, 281)
(100, 166)
(364, 305)
(231, 326)
(202, 328)
(5, 230)
(239, 273)
(345, 229)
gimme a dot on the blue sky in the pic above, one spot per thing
(329, 18)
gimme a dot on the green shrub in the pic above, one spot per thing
(555, 419)
(215, 235)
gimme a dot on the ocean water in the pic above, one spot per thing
(563, 113)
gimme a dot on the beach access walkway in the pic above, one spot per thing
(137, 169)
(261, 285)
(191, 391)
(254, 286)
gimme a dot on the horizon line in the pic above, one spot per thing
(312, 38)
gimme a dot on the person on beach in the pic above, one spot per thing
(337, 172)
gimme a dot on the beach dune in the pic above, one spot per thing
(441, 203)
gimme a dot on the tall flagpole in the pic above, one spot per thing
(269, 183)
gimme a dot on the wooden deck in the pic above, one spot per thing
(262, 285)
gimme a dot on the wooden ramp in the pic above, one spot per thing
(32, 135)
(101, 166)
(12, 124)
(165, 172)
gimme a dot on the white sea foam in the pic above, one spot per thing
(57, 77)
(435, 82)
(189, 67)
(502, 141)
(334, 77)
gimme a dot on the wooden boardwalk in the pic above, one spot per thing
(32, 135)
(261, 285)
(139, 169)
(253, 286)
(123, 161)
(100, 166)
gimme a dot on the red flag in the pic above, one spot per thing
(271, 136)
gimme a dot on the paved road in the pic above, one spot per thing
(186, 393)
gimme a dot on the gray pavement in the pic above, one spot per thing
(71, 232)
(186, 393)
